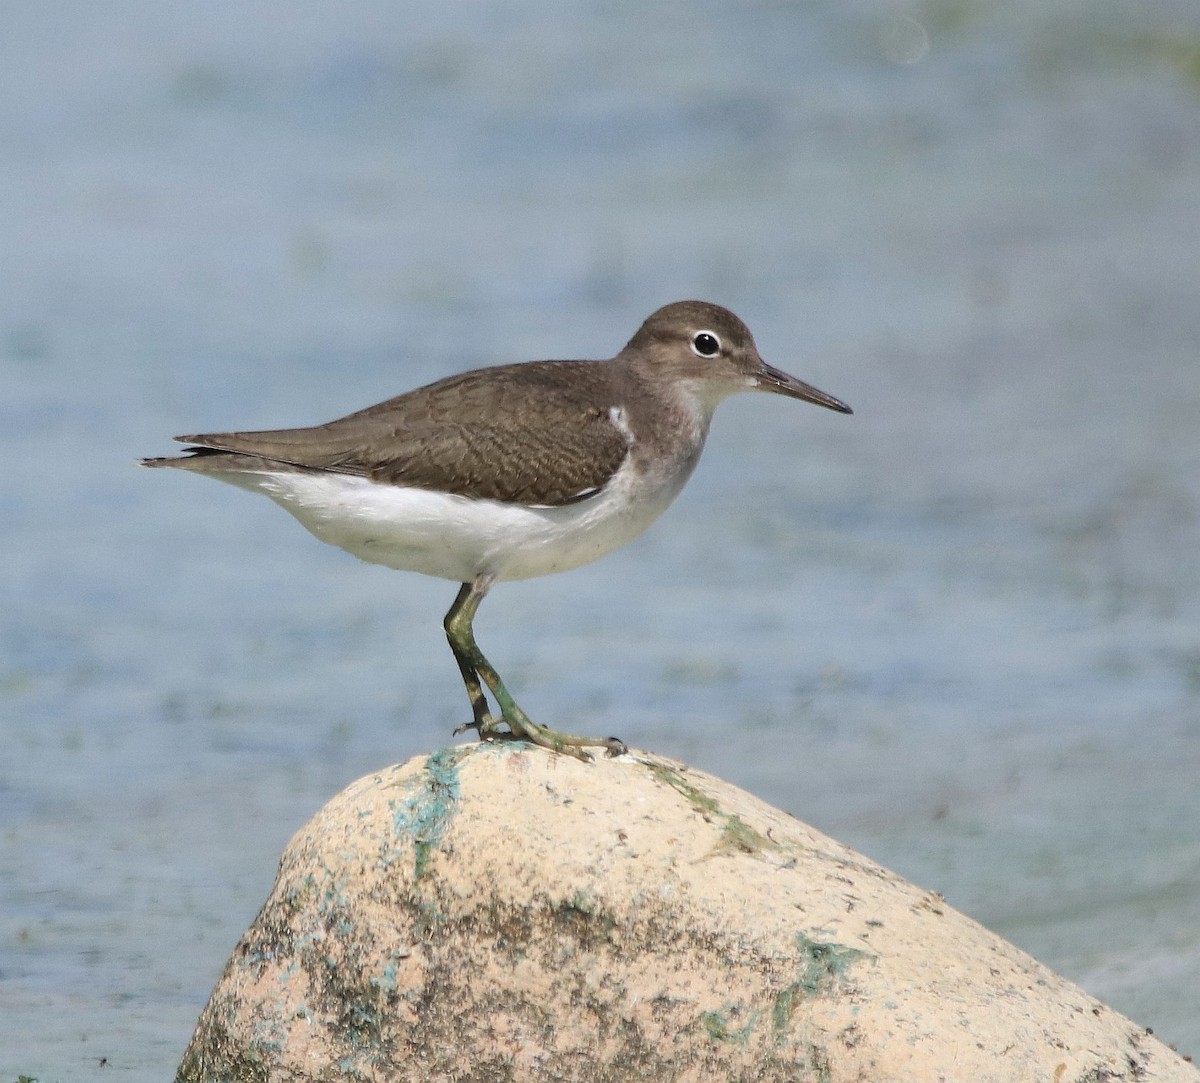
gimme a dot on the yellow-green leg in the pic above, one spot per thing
(475, 667)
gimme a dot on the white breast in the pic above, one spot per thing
(458, 538)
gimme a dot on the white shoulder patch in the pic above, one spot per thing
(616, 414)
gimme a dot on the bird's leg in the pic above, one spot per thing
(474, 666)
(454, 624)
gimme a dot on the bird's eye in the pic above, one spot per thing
(706, 344)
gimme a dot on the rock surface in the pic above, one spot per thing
(498, 912)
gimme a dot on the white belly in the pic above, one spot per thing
(458, 538)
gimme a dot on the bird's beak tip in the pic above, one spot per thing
(780, 382)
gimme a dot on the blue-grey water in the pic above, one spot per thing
(959, 630)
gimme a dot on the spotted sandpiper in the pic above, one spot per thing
(509, 472)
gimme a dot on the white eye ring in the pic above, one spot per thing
(705, 344)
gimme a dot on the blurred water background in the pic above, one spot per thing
(959, 631)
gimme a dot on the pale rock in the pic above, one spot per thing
(498, 912)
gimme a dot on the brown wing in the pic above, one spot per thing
(538, 434)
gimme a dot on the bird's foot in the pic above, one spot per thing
(485, 726)
(520, 728)
(570, 744)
